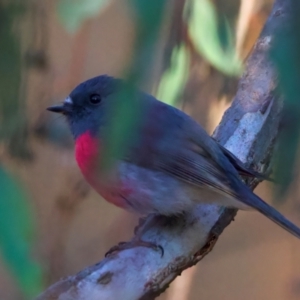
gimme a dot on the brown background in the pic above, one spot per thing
(254, 259)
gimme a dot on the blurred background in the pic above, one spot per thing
(188, 53)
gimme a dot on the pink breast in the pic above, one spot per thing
(87, 151)
(88, 154)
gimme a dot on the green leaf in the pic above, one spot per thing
(174, 78)
(123, 125)
(285, 55)
(203, 29)
(17, 235)
(74, 12)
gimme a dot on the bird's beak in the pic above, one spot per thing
(64, 108)
(57, 108)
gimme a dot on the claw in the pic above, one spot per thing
(135, 243)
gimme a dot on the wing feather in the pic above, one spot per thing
(196, 169)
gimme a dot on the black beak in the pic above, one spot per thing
(57, 109)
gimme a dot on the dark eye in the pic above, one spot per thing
(95, 99)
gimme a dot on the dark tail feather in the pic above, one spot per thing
(269, 211)
(242, 169)
(240, 190)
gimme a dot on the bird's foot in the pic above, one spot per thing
(135, 243)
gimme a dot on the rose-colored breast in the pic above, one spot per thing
(87, 150)
(87, 154)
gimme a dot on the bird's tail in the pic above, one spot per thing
(242, 192)
(249, 198)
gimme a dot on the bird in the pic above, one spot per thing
(170, 164)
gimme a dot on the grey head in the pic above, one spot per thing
(86, 108)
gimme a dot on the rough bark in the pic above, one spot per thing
(248, 129)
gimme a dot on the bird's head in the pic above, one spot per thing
(87, 107)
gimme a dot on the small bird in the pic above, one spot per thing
(171, 165)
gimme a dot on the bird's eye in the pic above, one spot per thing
(95, 99)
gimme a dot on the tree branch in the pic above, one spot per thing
(248, 129)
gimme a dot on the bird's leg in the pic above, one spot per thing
(137, 240)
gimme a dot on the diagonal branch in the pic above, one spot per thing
(248, 129)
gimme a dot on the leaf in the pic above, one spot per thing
(285, 54)
(174, 78)
(17, 235)
(74, 12)
(126, 116)
(203, 29)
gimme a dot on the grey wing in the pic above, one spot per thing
(195, 168)
(172, 142)
(194, 165)
(187, 152)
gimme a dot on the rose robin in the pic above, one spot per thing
(171, 165)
